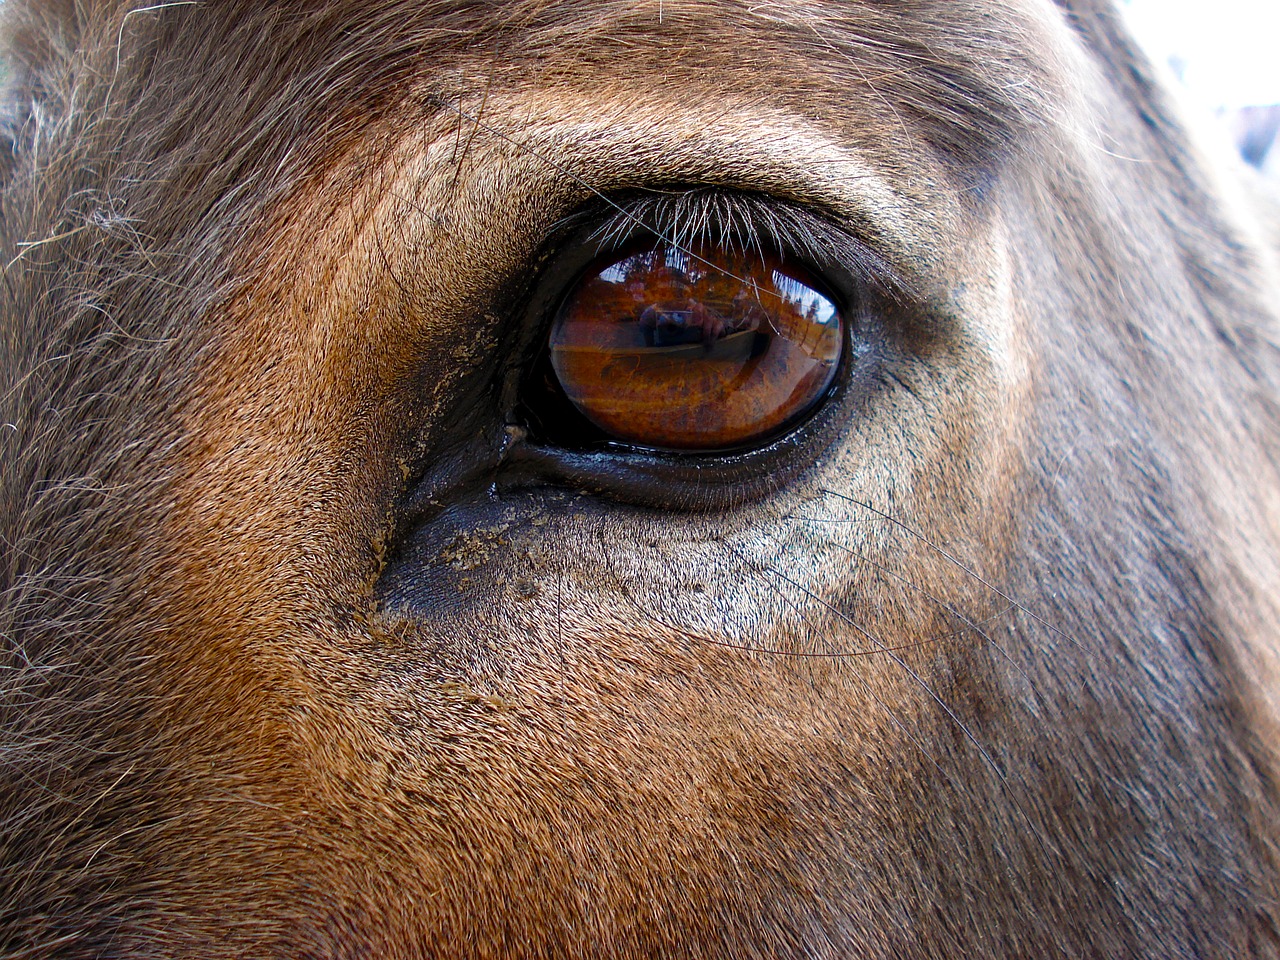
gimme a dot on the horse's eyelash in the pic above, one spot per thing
(685, 218)
(746, 222)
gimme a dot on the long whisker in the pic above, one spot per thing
(948, 607)
(929, 692)
(897, 721)
(970, 626)
(960, 566)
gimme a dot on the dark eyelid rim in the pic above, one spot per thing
(862, 281)
(845, 267)
(695, 482)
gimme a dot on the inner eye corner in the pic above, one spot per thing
(699, 348)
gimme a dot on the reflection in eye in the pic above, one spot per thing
(700, 349)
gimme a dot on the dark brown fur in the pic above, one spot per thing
(308, 652)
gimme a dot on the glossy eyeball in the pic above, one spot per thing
(700, 349)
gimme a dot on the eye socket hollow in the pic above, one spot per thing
(697, 348)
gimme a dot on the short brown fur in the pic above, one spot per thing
(312, 650)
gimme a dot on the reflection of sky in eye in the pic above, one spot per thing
(805, 298)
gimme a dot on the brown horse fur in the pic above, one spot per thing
(314, 647)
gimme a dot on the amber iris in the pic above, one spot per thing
(696, 349)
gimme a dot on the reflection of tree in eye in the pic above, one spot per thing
(806, 317)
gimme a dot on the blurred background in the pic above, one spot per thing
(1226, 56)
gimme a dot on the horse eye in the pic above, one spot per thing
(696, 349)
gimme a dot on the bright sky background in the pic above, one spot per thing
(1230, 48)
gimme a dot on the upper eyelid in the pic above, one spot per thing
(752, 222)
